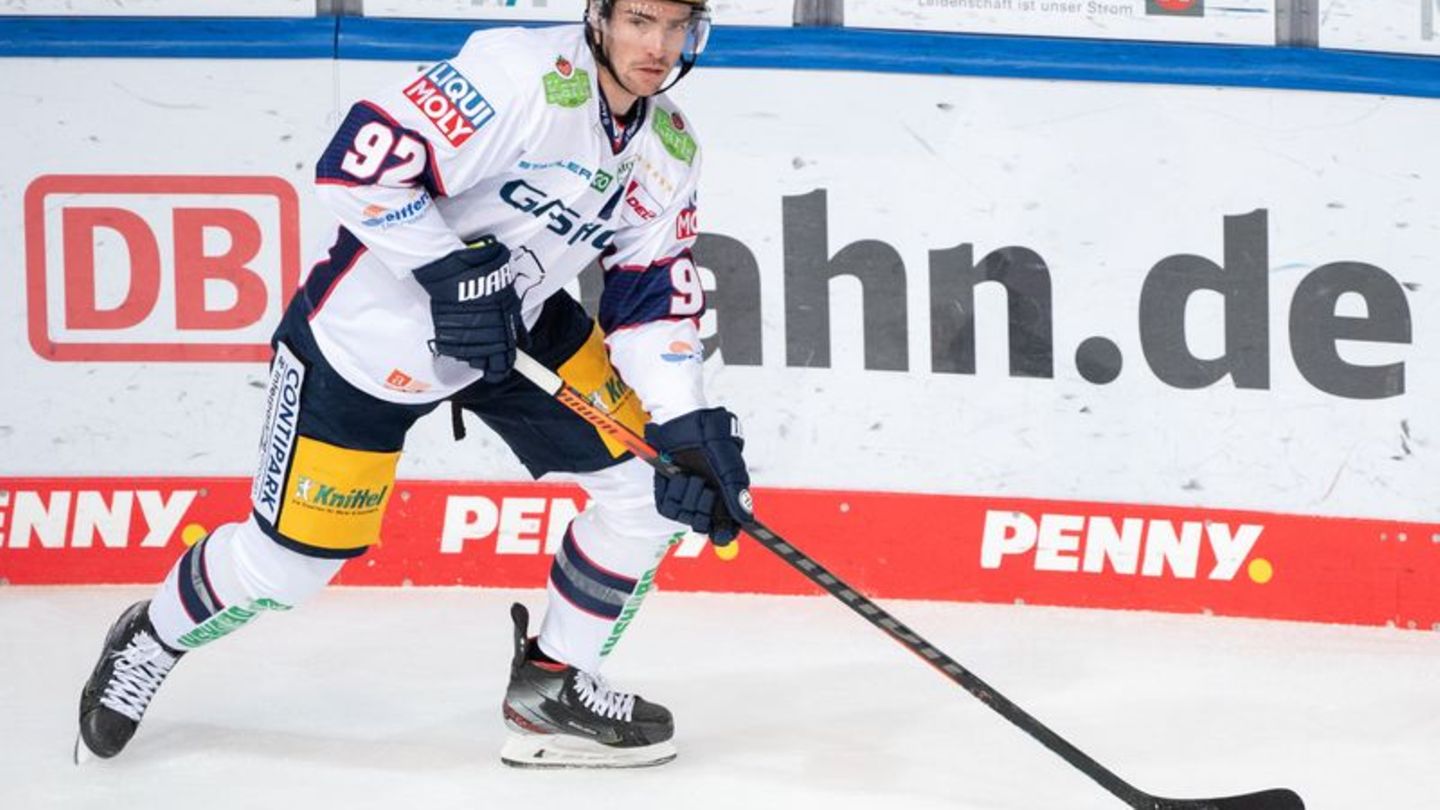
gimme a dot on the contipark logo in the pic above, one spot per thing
(1127, 546)
(158, 268)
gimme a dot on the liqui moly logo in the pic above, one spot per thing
(1133, 546)
(452, 103)
(687, 224)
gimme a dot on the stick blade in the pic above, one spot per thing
(1278, 799)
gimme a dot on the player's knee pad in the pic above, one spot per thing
(256, 567)
(622, 502)
(606, 565)
(228, 579)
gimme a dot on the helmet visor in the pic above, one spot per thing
(676, 27)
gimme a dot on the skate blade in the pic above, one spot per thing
(82, 754)
(565, 751)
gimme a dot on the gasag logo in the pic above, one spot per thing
(452, 102)
(158, 267)
(564, 220)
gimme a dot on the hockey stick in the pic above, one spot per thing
(1278, 799)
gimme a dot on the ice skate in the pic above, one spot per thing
(132, 665)
(561, 717)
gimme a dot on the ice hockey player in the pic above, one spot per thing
(468, 195)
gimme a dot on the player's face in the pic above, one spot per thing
(645, 39)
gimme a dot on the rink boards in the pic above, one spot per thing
(941, 547)
(1062, 342)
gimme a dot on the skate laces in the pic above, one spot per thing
(139, 670)
(597, 695)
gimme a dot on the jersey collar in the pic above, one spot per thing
(621, 139)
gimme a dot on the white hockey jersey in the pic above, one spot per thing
(511, 137)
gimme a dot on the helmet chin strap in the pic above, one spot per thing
(602, 58)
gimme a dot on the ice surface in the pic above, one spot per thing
(388, 698)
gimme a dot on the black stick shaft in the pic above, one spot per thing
(551, 382)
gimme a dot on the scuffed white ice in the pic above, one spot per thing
(388, 698)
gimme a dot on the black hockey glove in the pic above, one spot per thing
(715, 491)
(475, 308)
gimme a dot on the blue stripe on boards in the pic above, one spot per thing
(849, 49)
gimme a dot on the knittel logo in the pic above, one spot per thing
(331, 499)
(1176, 8)
(452, 102)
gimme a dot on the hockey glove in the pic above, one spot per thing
(714, 493)
(475, 308)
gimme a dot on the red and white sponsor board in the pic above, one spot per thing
(1049, 301)
(889, 545)
(150, 267)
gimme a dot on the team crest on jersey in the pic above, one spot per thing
(452, 102)
(566, 86)
(670, 128)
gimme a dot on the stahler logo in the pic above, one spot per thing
(1176, 8)
(452, 103)
(87, 519)
(155, 267)
(1133, 546)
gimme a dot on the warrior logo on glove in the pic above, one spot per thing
(475, 308)
(472, 289)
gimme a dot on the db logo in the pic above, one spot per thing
(184, 268)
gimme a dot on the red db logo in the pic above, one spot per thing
(134, 267)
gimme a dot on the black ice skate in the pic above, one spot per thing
(133, 664)
(561, 717)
